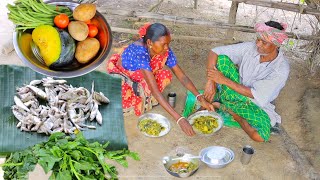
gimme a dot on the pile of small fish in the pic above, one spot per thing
(65, 108)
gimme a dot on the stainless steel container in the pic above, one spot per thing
(75, 69)
(247, 153)
(169, 160)
(172, 96)
(216, 156)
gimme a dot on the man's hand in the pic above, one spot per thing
(210, 90)
(216, 76)
(186, 127)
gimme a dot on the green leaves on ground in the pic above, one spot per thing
(68, 159)
(19, 164)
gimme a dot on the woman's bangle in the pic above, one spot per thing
(198, 96)
(180, 119)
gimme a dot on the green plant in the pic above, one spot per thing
(68, 158)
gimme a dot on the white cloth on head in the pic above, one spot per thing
(265, 79)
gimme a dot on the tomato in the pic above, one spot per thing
(88, 22)
(61, 21)
(93, 30)
(103, 39)
(95, 22)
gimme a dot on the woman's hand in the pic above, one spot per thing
(210, 90)
(186, 127)
(204, 103)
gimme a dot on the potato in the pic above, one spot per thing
(86, 50)
(78, 30)
(84, 12)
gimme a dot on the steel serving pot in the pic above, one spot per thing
(169, 160)
(75, 69)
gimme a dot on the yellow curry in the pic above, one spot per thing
(182, 167)
(205, 124)
(151, 127)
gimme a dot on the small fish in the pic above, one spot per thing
(38, 92)
(54, 81)
(94, 110)
(20, 104)
(87, 126)
(35, 82)
(100, 97)
(18, 115)
(99, 117)
(19, 124)
(66, 109)
(29, 103)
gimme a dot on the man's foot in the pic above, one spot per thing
(275, 130)
(216, 105)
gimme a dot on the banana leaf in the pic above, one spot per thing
(112, 128)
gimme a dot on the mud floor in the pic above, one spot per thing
(298, 103)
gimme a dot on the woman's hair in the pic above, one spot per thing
(274, 24)
(155, 31)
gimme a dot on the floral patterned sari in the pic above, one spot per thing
(136, 95)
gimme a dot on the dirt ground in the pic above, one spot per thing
(297, 103)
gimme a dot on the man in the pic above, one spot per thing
(250, 76)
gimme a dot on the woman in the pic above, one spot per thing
(141, 67)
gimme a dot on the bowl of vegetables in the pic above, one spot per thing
(205, 122)
(181, 167)
(60, 38)
(153, 125)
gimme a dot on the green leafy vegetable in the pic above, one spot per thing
(67, 158)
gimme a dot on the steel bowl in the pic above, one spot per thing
(160, 119)
(169, 160)
(192, 117)
(216, 156)
(75, 69)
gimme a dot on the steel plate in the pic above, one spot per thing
(192, 117)
(160, 119)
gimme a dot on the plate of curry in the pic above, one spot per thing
(153, 125)
(205, 122)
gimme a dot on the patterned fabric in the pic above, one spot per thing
(271, 34)
(137, 57)
(240, 104)
(136, 95)
(266, 79)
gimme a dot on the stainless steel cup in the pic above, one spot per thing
(247, 153)
(172, 99)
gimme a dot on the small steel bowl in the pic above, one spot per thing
(216, 156)
(168, 161)
(75, 69)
